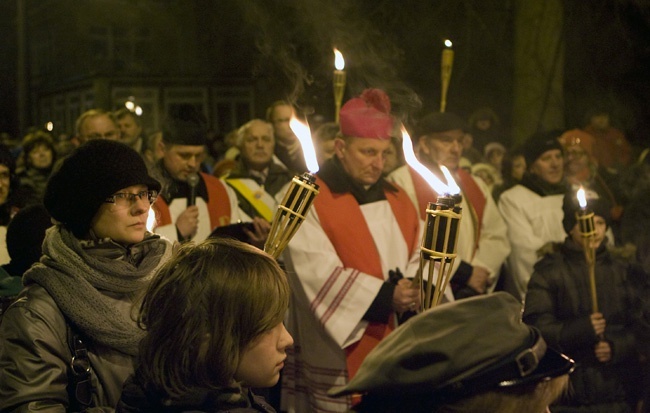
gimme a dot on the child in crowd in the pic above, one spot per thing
(601, 341)
(213, 317)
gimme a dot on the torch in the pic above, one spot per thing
(440, 237)
(445, 72)
(338, 82)
(298, 199)
(588, 231)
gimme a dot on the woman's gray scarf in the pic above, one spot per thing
(74, 278)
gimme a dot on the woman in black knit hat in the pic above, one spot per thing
(69, 341)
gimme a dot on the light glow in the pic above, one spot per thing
(409, 155)
(582, 198)
(339, 62)
(448, 43)
(302, 132)
(151, 220)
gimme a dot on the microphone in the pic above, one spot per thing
(192, 181)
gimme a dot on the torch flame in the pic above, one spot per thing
(448, 43)
(409, 156)
(582, 198)
(151, 220)
(302, 132)
(339, 62)
(451, 183)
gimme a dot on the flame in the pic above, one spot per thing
(448, 43)
(301, 130)
(413, 162)
(339, 62)
(151, 220)
(582, 198)
(451, 183)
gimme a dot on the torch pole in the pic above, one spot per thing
(339, 88)
(588, 231)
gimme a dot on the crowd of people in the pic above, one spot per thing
(121, 288)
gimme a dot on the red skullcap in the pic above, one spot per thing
(367, 116)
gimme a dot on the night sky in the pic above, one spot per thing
(285, 47)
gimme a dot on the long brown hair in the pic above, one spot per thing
(201, 311)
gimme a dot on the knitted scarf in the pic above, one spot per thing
(76, 280)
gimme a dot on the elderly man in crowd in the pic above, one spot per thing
(483, 244)
(256, 178)
(360, 229)
(96, 124)
(130, 129)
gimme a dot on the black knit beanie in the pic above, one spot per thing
(596, 203)
(90, 174)
(539, 143)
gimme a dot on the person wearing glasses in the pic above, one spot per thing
(69, 341)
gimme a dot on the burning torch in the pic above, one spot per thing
(440, 238)
(587, 229)
(338, 82)
(299, 197)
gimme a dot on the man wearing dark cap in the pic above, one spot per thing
(360, 230)
(473, 355)
(482, 242)
(533, 208)
(190, 210)
(602, 342)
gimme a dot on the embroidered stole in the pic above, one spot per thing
(258, 198)
(343, 222)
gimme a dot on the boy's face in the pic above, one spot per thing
(600, 225)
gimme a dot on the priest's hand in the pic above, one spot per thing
(405, 296)
(479, 279)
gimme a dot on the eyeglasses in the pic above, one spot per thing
(126, 199)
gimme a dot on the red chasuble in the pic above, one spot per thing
(343, 222)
